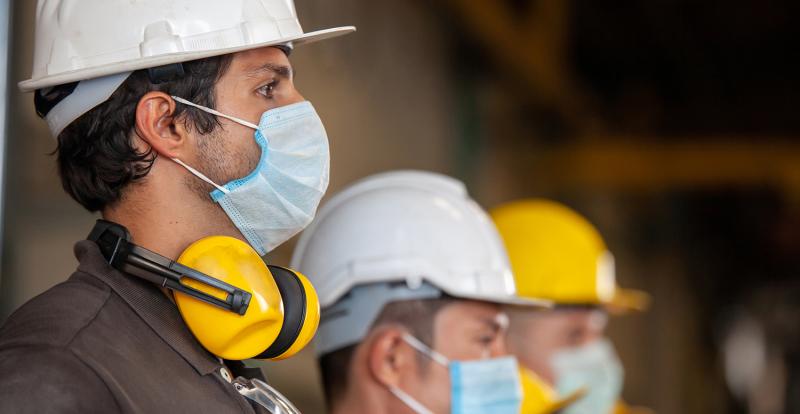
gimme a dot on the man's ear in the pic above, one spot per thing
(389, 358)
(156, 125)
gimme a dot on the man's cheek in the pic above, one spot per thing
(245, 156)
(445, 395)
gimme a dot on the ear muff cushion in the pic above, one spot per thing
(293, 296)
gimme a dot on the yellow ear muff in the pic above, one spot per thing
(301, 314)
(222, 332)
(282, 315)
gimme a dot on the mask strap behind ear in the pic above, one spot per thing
(200, 175)
(425, 349)
(408, 400)
(215, 112)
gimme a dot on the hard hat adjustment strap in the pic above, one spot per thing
(166, 73)
(114, 242)
(46, 99)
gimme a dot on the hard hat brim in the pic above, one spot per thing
(503, 299)
(149, 62)
(629, 300)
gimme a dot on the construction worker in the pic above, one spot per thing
(557, 254)
(412, 275)
(179, 122)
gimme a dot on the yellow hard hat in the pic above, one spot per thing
(557, 254)
(539, 398)
(280, 320)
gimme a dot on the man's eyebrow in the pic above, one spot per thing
(278, 69)
(493, 324)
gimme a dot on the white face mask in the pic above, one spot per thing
(280, 197)
(596, 368)
(489, 385)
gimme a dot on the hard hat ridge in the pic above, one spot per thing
(406, 226)
(106, 40)
(84, 39)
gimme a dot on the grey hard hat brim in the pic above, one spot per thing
(348, 321)
(115, 68)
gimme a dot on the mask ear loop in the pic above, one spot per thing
(425, 349)
(215, 112)
(201, 176)
(198, 174)
(408, 400)
(420, 347)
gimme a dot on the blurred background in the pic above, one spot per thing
(672, 125)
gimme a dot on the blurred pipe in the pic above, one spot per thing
(655, 164)
(470, 130)
(532, 49)
(5, 31)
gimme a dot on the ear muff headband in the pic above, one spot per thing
(294, 311)
(114, 242)
(298, 303)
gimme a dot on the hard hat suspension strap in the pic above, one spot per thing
(166, 73)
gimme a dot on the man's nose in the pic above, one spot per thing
(499, 347)
(293, 97)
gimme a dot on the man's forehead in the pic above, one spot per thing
(591, 318)
(479, 313)
(265, 59)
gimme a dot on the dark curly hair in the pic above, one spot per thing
(97, 158)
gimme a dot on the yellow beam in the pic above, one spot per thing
(533, 49)
(629, 164)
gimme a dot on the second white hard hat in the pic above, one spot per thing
(399, 236)
(408, 226)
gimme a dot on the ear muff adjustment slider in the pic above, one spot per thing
(114, 242)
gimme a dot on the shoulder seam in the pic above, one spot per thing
(68, 347)
(68, 344)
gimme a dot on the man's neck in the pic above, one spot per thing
(167, 222)
(361, 402)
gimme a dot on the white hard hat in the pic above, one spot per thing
(99, 43)
(85, 39)
(394, 237)
(406, 226)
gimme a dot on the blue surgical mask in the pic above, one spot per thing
(481, 386)
(280, 197)
(596, 368)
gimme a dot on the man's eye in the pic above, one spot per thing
(486, 339)
(268, 89)
(575, 337)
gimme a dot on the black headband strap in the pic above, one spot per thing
(114, 242)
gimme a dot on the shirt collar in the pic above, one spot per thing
(151, 304)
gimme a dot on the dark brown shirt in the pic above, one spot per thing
(105, 342)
